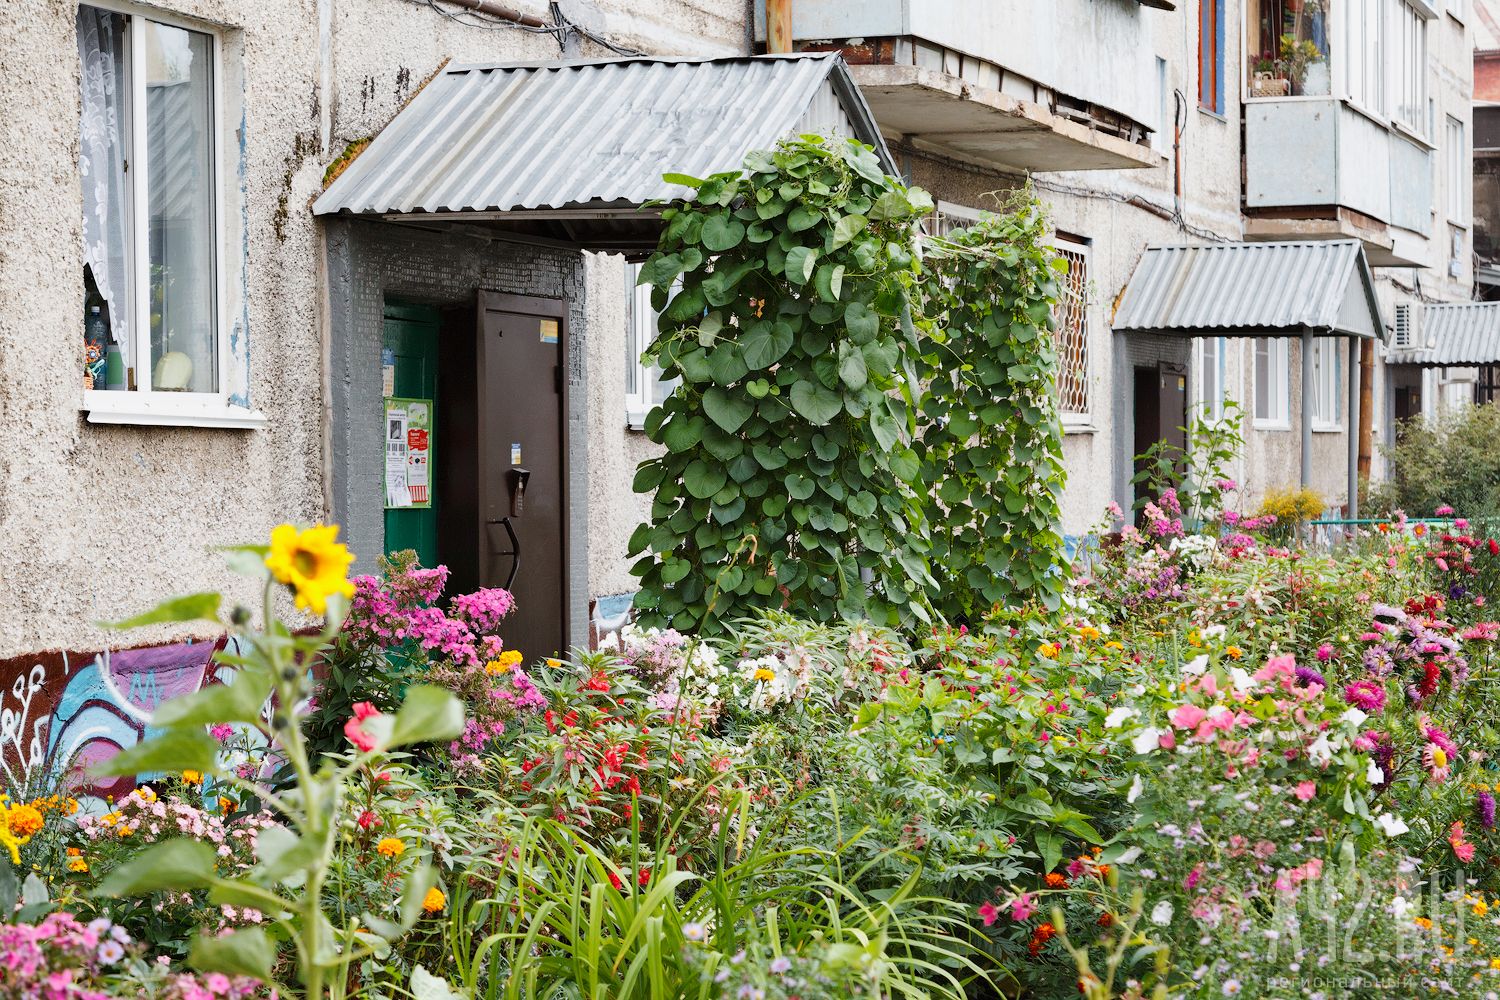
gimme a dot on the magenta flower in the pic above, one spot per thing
(988, 913)
(1022, 908)
(1366, 695)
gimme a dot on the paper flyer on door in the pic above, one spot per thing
(408, 453)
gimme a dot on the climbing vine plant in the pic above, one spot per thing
(785, 291)
(991, 443)
(857, 432)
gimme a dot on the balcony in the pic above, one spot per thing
(1336, 116)
(999, 85)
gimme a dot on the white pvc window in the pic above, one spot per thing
(1456, 153)
(149, 166)
(645, 388)
(1208, 365)
(1324, 407)
(1364, 46)
(1272, 382)
(1408, 66)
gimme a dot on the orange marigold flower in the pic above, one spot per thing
(1056, 881)
(24, 820)
(434, 901)
(391, 847)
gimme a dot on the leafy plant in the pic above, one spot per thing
(271, 684)
(991, 443)
(1450, 461)
(784, 291)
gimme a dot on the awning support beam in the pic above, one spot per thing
(1305, 409)
(1355, 370)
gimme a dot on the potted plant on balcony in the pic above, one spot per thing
(1300, 57)
(1269, 78)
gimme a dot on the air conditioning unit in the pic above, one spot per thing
(1407, 321)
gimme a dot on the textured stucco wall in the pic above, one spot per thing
(99, 521)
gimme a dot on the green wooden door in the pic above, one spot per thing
(411, 344)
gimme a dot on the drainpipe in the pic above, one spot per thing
(501, 11)
(1356, 418)
(1307, 395)
(778, 25)
(1366, 407)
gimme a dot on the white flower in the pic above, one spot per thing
(1392, 825)
(1196, 665)
(1242, 680)
(1374, 775)
(1354, 717)
(1146, 740)
(1218, 711)
(1399, 906)
(1161, 913)
(1129, 856)
(1135, 789)
(1320, 753)
(1212, 631)
(1117, 716)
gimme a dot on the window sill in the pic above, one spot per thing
(1271, 425)
(1412, 135)
(1327, 429)
(1078, 425)
(164, 409)
(1218, 116)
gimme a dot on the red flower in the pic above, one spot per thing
(614, 880)
(354, 729)
(368, 819)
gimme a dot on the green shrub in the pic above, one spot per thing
(1452, 461)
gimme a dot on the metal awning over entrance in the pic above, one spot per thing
(570, 151)
(1323, 288)
(1302, 289)
(1452, 335)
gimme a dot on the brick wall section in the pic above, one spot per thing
(369, 262)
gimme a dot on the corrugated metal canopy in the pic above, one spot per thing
(580, 141)
(1252, 290)
(1457, 334)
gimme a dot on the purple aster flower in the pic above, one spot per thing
(1485, 803)
(1307, 677)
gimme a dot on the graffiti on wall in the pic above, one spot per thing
(72, 709)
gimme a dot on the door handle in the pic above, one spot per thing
(515, 550)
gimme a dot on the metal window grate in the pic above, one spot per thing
(1072, 334)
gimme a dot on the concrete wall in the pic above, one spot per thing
(100, 521)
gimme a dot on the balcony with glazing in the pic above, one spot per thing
(1008, 84)
(1338, 132)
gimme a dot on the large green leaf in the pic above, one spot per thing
(703, 479)
(800, 262)
(171, 864)
(817, 404)
(848, 227)
(192, 607)
(173, 751)
(727, 410)
(428, 713)
(852, 369)
(765, 343)
(248, 952)
(722, 232)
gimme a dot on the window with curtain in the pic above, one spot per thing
(1327, 381)
(645, 388)
(148, 168)
(1272, 382)
(1408, 66)
(1208, 364)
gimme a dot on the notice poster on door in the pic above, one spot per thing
(408, 453)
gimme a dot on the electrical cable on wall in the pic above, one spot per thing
(561, 28)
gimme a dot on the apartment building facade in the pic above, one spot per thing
(222, 306)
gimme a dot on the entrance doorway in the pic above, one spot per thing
(1160, 409)
(409, 368)
(503, 407)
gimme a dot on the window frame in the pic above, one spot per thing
(1325, 410)
(1210, 405)
(1399, 14)
(144, 404)
(1211, 56)
(1078, 420)
(640, 380)
(1279, 357)
(1458, 202)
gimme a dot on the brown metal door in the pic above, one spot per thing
(522, 476)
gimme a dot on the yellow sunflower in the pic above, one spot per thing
(312, 562)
